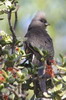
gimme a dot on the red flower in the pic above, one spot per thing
(49, 71)
(13, 71)
(1, 72)
(53, 61)
(2, 79)
(10, 69)
(5, 97)
(14, 75)
(17, 48)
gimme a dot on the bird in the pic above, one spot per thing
(38, 37)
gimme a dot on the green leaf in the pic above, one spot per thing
(2, 11)
(46, 94)
(4, 38)
(55, 79)
(1, 18)
(25, 71)
(64, 78)
(20, 74)
(9, 63)
(63, 93)
(5, 74)
(1, 4)
(57, 88)
(64, 65)
(61, 68)
(57, 97)
(11, 80)
(12, 96)
(42, 52)
(1, 86)
(61, 56)
(2, 0)
(5, 91)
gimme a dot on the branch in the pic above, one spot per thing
(16, 94)
(15, 23)
(12, 30)
(13, 91)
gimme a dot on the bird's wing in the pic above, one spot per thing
(41, 40)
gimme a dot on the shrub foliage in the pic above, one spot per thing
(16, 75)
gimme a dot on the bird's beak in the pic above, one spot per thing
(47, 24)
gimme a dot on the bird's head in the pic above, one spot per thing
(40, 17)
(44, 21)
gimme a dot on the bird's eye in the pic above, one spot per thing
(43, 20)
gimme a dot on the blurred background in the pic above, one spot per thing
(55, 11)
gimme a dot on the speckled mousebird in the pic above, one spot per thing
(38, 37)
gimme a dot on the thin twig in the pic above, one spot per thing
(12, 30)
(13, 92)
(15, 23)
(17, 94)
